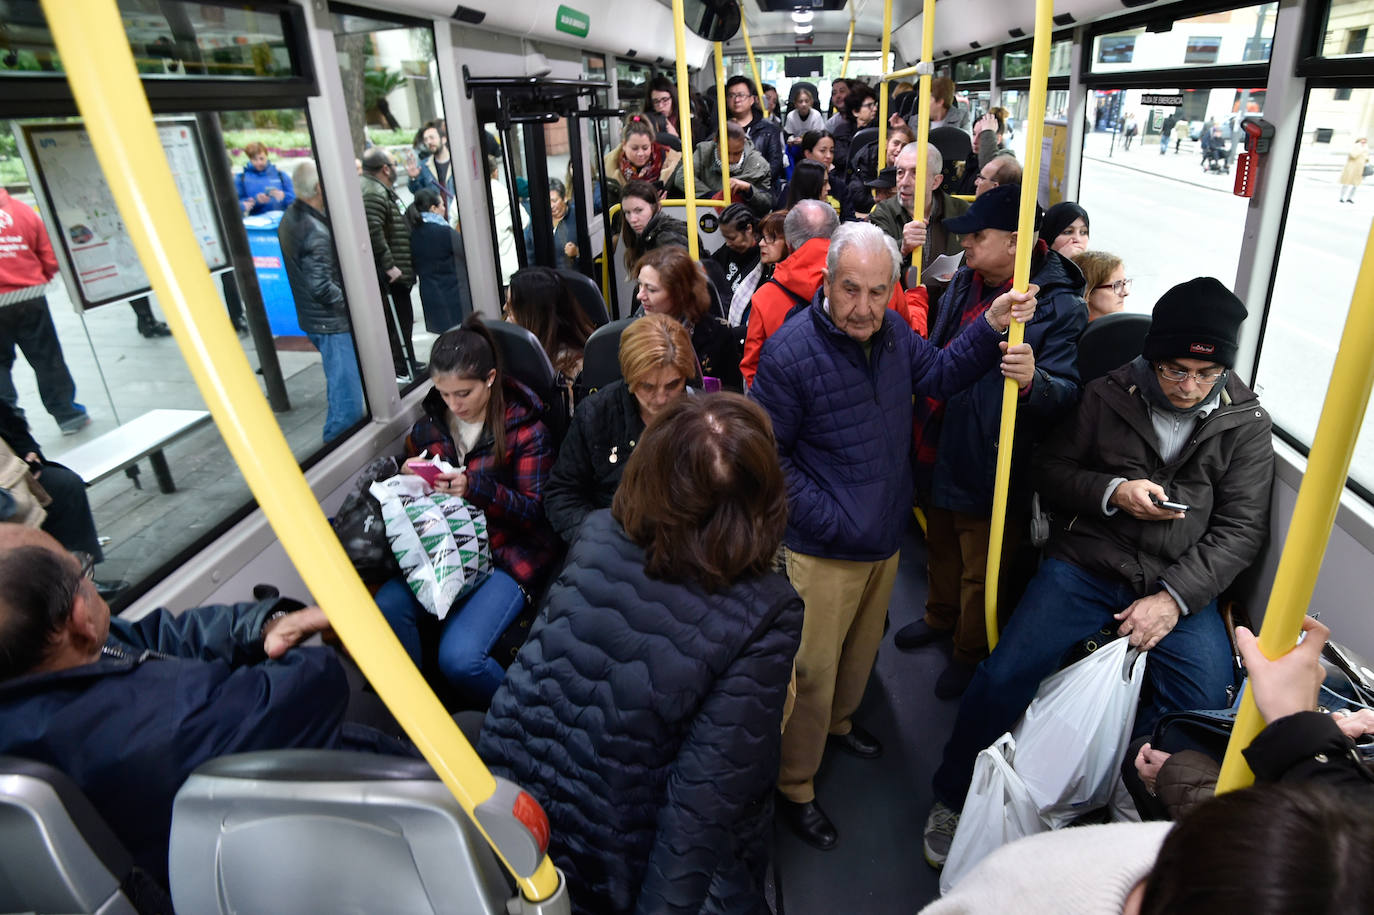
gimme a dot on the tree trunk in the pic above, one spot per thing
(353, 50)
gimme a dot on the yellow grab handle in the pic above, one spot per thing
(111, 100)
(722, 146)
(923, 126)
(1025, 244)
(1319, 497)
(684, 126)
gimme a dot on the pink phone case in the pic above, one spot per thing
(425, 470)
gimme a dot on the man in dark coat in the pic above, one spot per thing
(312, 269)
(129, 709)
(956, 440)
(386, 227)
(837, 381)
(1159, 491)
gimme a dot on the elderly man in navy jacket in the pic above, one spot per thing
(837, 381)
(129, 709)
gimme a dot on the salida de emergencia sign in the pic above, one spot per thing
(574, 22)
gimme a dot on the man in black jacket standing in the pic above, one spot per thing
(1159, 488)
(312, 268)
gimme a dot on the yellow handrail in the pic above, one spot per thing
(923, 124)
(753, 64)
(882, 86)
(1314, 514)
(684, 123)
(110, 97)
(914, 70)
(722, 144)
(848, 43)
(1025, 244)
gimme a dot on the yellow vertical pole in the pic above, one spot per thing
(848, 43)
(923, 123)
(1315, 511)
(1025, 244)
(684, 127)
(753, 64)
(885, 66)
(100, 69)
(722, 118)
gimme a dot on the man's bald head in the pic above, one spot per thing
(48, 620)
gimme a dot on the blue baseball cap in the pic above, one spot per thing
(999, 208)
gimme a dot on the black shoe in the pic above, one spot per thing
(809, 822)
(918, 635)
(955, 679)
(858, 742)
(109, 590)
(151, 329)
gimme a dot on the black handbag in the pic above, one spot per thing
(360, 528)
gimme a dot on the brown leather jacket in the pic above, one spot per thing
(1224, 475)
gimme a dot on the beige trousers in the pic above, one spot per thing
(846, 603)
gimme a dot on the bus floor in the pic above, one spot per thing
(879, 806)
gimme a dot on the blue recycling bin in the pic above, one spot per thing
(267, 264)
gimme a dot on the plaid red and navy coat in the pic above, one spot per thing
(511, 494)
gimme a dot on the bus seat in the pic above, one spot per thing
(717, 285)
(669, 140)
(327, 831)
(587, 294)
(1110, 341)
(60, 855)
(954, 145)
(526, 361)
(601, 355)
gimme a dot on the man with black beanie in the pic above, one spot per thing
(1158, 487)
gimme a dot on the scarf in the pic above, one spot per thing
(649, 171)
(434, 219)
(1143, 374)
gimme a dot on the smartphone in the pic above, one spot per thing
(1171, 506)
(425, 470)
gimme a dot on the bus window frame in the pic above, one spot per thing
(1347, 71)
(1162, 19)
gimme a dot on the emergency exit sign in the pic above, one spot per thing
(574, 22)
(1161, 101)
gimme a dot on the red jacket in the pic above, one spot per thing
(800, 273)
(26, 257)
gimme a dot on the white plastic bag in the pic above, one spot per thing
(997, 810)
(1073, 736)
(439, 541)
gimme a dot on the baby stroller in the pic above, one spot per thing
(1214, 153)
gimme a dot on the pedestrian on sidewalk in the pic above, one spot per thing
(1180, 134)
(1352, 176)
(27, 265)
(1131, 130)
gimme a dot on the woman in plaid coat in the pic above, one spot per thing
(487, 425)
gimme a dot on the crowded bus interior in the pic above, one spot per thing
(654, 456)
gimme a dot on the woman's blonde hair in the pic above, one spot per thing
(1097, 267)
(655, 342)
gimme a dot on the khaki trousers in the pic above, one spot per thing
(956, 575)
(846, 603)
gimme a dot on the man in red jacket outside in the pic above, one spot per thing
(807, 228)
(27, 265)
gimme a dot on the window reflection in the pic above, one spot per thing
(1347, 29)
(1227, 37)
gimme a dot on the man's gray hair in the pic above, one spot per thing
(935, 163)
(808, 219)
(866, 237)
(306, 179)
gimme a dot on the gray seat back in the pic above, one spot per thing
(59, 854)
(327, 831)
(587, 295)
(1109, 342)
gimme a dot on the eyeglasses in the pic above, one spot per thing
(663, 101)
(868, 103)
(1178, 376)
(739, 95)
(87, 563)
(1120, 287)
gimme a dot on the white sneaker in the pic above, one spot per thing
(939, 834)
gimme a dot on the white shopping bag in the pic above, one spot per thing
(1074, 734)
(997, 810)
(439, 541)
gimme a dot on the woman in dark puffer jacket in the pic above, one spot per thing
(645, 711)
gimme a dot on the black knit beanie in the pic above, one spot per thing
(1199, 319)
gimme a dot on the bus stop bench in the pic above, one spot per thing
(122, 448)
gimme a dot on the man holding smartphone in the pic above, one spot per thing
(1159, 491)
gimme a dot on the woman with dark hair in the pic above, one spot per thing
(819, 146)
(810, 181)
(673, 284)
(541, 302)
(661, 99)
(772, 249)
(487, 425)
(564, 226)
(645, 712)
(646, 226)
(860, 111)
(639, 157)
(1065, 229)
(740, 253)
(436, 251)
(656, 362)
